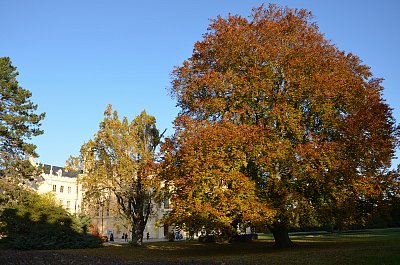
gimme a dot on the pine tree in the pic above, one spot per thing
(19, 122)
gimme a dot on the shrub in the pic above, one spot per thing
(37, 223)
(246, 237)
(207, 239)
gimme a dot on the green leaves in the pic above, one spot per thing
(19, 122)
(37, 222)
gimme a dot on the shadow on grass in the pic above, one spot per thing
(373, 247)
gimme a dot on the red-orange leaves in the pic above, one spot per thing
(281, 117)
(209, 179)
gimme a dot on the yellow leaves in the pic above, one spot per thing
(208, 172)
(121, 157)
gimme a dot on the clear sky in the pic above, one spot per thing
(77, 56)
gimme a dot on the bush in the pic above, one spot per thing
(37, 223)
(246, 237)
(207, 239)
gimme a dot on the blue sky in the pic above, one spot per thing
(78, 56)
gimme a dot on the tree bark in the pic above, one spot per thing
(281, 236)
(137, 235)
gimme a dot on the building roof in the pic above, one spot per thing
(47, 168)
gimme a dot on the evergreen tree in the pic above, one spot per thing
(19, 122)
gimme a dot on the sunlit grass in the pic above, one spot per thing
(363, 247)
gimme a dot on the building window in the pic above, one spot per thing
(61, 202)
(54, 188)
(68, 205)
(69, 189)
(61, 189)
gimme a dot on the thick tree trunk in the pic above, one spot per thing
(138, 226)
(281, 236)
(137, 236)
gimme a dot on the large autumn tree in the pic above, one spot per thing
(121, 161)
(273, 112)
(19, 122)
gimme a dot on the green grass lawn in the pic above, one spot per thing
(362, 247)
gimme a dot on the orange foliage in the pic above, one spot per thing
(275, 121)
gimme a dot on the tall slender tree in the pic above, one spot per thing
(19, 122)
(121, 161)
(317, 137)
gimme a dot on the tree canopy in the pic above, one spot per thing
(121, 162)
(272, 113)
(18, 120)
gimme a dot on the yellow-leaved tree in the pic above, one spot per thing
(121, 161)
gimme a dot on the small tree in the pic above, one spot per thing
(121, 160)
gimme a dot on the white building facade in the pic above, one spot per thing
(70, 195)
(64, 185)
